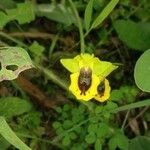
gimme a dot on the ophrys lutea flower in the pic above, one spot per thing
(87, 73)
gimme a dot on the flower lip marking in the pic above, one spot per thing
(101, 88)
(84, 80)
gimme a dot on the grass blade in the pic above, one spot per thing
(10, 136)
(106, 11)
(132, 106)
(88, 14)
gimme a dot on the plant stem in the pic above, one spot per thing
(53, 77)
(13, 39)
(79, 26)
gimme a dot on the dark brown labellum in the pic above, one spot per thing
(101, 88)
(84, 79)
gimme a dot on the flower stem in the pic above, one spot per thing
(79, 26)
(53, 77)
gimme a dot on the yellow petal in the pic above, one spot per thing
(90, 93)
(85, 60)
(106, 95)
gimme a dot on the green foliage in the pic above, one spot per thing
(13, 106)
(10, 136)
(118, 140)
(37, 51)
(57, 12)
(125, 93)
(13, 61)
(139, 143)
(7, 4)
(142, 71)
(135, 35)
(49, 31)
(88, 14)
(74, 127)
(4, 144)
(24, 13)
(107, 10)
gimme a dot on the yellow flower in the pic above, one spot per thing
(103, 91)
(87, 73)
(83, 92)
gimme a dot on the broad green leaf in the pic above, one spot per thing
(88, 14)
(103, 68)
(3, 19)
(142, 72)
(106, 11)
(13, 106)
(134, 35)
(23, 13)
(13, 61)
(4, 144)
(58, 13)
(7, 4)
(70, 64)
(140, 143)
(10, 136)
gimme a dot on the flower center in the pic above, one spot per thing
(101, 88)
(84, 79)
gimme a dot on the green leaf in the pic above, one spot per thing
(58, 13)
(103, 130)
(118, 140)
(127, 93)
(10, 136)
(13, 106)
(116, 95)
(88, 14)
(67, 124)
(72, 135)
(4, 144)
(66, 140)
(113, 143)
(106, 11)
(7, 4)
(36, 48)
(70, 64)
(90, 138)
(3, 19)
(142, 72)
(132, 106)
(13, 61)
(98, 145)
(56, 125)
(92, 128)
(139, 143)
(134, 35)
(24, 13)
(37, 51)
(122, 142)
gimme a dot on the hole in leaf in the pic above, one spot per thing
(12, 67)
